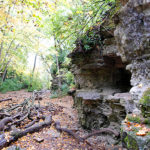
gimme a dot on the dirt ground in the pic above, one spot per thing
(52, 139)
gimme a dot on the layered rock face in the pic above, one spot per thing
(100, 74)
(132, 35)
(105, 73)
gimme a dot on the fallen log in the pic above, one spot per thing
(7, 99)
(20, 133)
(82, 139)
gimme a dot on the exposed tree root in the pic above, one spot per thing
(104, 130)
(18, 116)
(4, 121)
(82, 139)
(20, 133)
(7, 99)
(23, 118)
(58, 127)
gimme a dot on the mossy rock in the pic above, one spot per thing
(131, 141)
(145, 103)
(138, 119)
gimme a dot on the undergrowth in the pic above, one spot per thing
(11, 85)
(15, 84)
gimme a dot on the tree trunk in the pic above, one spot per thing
(1, 50)
(34, 64)
(5, 71)
(6, 54)
(59, 77)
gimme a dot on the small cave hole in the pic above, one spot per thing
(123, 78)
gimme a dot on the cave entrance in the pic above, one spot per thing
(122, 79)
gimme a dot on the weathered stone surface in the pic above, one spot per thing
(132, 36)
(125, 99)
(105, 73)
(96, 109)
(133, 142)
(99, 74)
(133, 39)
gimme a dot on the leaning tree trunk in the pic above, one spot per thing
(59, 78)
(5, 71)
(34, 65)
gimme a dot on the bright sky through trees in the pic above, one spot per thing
(35, 32)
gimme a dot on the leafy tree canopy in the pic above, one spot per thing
(46, 28)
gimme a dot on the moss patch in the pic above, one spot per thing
(130, 143)
(145, 100)
(145, 103)
(136, 119)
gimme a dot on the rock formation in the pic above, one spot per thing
(112, 74)
(132, 35)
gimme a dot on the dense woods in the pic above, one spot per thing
(43, 32)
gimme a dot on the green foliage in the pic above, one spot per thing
(130, 143)
(11, 85)
(64, 89)
(54, 95)
(145, 100)
(27, 23)
(69, 78)
(91, 39)
(53, 69)
(136, 119)
(147, 121)
(34, 83)
(18, 82)
(145, 103)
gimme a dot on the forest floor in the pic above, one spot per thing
(50, 137)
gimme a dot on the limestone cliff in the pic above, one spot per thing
(132, 35)
(112, 74)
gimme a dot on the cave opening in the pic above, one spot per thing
(122, 80)
(120, 76)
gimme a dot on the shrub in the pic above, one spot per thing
(11, 85)
(69, 78)
(145, 100)
(134, 118)
(145, 103)
(64, 89)
(35, 84)
(54, 95)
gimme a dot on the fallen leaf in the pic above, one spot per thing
(141, 133)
